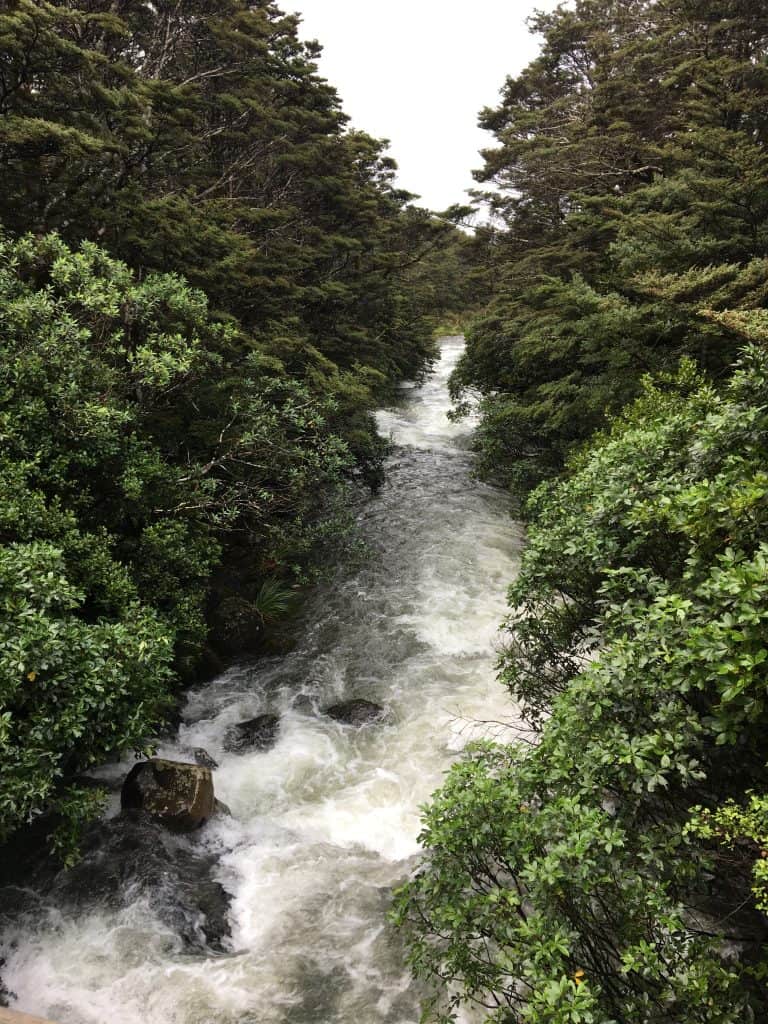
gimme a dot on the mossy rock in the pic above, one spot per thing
(177, 794)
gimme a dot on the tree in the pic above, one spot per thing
(631, 151)
(202, 140)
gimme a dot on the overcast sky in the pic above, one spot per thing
(417, 72)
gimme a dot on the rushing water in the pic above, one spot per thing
(324, 824)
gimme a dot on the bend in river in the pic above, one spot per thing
(325, 823)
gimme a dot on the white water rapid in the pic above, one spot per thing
(326, 822)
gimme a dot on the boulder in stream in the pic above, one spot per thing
(355, 712)
(177, 794)
(127, 861)
(258, 733)
(133, 856)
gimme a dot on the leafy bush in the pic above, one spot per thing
(153, 462)
(561, 882)
(72, 691)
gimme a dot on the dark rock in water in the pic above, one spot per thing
(133, 855)
(355, 712)
(126, 859)
(221, 809)
(177, 794)
(202, 757)
(89, 782)
(258, 733)
(209, 665)
(5, 993)
(14, 900)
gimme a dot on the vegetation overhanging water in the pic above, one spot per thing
(325, 823)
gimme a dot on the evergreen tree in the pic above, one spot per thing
(201, 139)
(631, 150)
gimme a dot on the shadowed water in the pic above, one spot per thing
(326, 822)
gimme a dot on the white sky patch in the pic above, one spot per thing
(417, 72)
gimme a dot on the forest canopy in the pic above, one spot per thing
(207, 282)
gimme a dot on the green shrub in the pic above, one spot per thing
(561, 881)
(146, 447)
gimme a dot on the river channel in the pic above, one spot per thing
(326, 823)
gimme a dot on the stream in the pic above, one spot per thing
(325, 823)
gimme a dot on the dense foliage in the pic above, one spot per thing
(610, 867)
(564, 882)
(632, 205)
(135, 460)
(198, 138)
(206, 283)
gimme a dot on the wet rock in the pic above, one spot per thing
(220, 809)
(258, 733)
(178, 795)
(124, 860)
(355, 712)
(203, 758)
(14, 900)
(5, 993)
(133, 855)
(89, 782)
